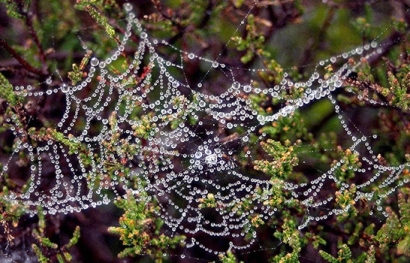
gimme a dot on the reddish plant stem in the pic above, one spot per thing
(23, 62)
(33, 34)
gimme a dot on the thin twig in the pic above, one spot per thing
(23, 62)
(314, 45)
(33, 34)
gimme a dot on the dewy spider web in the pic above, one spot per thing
(168, 136)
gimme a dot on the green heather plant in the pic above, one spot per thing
(184, 131)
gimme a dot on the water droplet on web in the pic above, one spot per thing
(48, 81)
(198, 155)
(211, 159)
(65, 88)
(191, 56)
(175, 84)
(247, 88)
(338, 83)
(94, 62)
(143, 35)
(236, 85)
(127, 7)
(215, 64)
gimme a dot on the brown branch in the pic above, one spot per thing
(23, 62)
(394, 39)
(33, 34)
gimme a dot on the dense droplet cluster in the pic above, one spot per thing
(172, 142)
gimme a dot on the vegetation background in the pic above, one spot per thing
(39, 37)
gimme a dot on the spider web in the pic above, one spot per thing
(178, 142)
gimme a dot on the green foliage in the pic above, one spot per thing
(344, 255)
(253, 43)
(13, 7)
(290, 128)
(10, 211)
(7, 91)
(284, 159)
(313, 239)
(77, 74)
(140, 229)
(48, 251)
(228, 257)
(91, 7)
(398, 91)
(208, 202)
(346, 167)
(39, 254)
(290, 236)
(396, 230)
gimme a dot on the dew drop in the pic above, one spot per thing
(191, 56)
(338, 83)
(198, 155)
(175, 84)
(247, 88)
(143, 35)
(64, 88)
(94, 62)
(127, 7)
